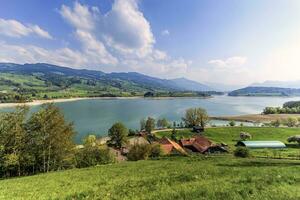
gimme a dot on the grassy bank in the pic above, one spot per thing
(198, 177)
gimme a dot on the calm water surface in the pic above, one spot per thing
(97, 115)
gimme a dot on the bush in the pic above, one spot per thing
(139, 152)
(241, 152)
(295, 138)
(156, 151)
(232, 123)
(144, 151)
(245, 136)
(92, 156)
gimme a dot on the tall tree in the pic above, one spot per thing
(118, 135)
(52, 139)
(142, 124)
(196, 117)
(150, 125)
(12, 141)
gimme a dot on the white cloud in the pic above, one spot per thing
(165, 32)
(13, 28)
(119, 40)
(231, 62)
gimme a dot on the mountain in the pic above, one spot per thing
(42, 80)
(223, 87)
(281, 84)
(45, 70)
(265, 91)
(190, 85)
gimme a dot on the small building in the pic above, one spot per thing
(201, 144)
(171, 147)
(261, 144)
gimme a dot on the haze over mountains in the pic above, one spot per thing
(281, 84)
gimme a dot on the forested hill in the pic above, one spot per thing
(265, 91)
(43, 80)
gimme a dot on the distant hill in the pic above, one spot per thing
(265, 91)
(44, 80)
(190, 85)
(280, 84)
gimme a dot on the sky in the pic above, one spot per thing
(231, 42)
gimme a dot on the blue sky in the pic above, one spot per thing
(234, 42)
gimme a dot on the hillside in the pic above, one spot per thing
(265, 91)
(37, 81)
(194, 177)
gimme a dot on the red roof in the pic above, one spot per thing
(199, 143)
(168, 146)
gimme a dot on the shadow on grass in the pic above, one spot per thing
(297, 146)
(266, 163)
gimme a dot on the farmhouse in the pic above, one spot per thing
(171, 147)
(261, 144)
(202, 145)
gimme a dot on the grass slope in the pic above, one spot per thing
(173, 178)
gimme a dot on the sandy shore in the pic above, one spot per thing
(259, 118)
(40, 102)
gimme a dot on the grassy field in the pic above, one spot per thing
(197, 177)
(230, 135)
(194, 177)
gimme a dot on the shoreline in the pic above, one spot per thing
(257, 118)
(61, 100)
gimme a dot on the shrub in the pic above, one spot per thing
(92, 156)
(295, 138)
(241, 152)
(144, 151)
(276, 123)
(232, 123)
(131, 132)
(291, 122)
(245, 136)
(139, 152)
(156, 151)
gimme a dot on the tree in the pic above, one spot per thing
(150, 125)
(142, 124)
(50, 139)
(196, 117)
(162, 123)
(291, 122)
(173, 134)
(92, 154)
(276, 123)
(118, 135)
(232, 123)
(13, 142)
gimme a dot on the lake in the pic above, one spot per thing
(97, 115)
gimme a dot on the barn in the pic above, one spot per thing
(261, 144)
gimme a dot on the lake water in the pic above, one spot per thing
(97, 115)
